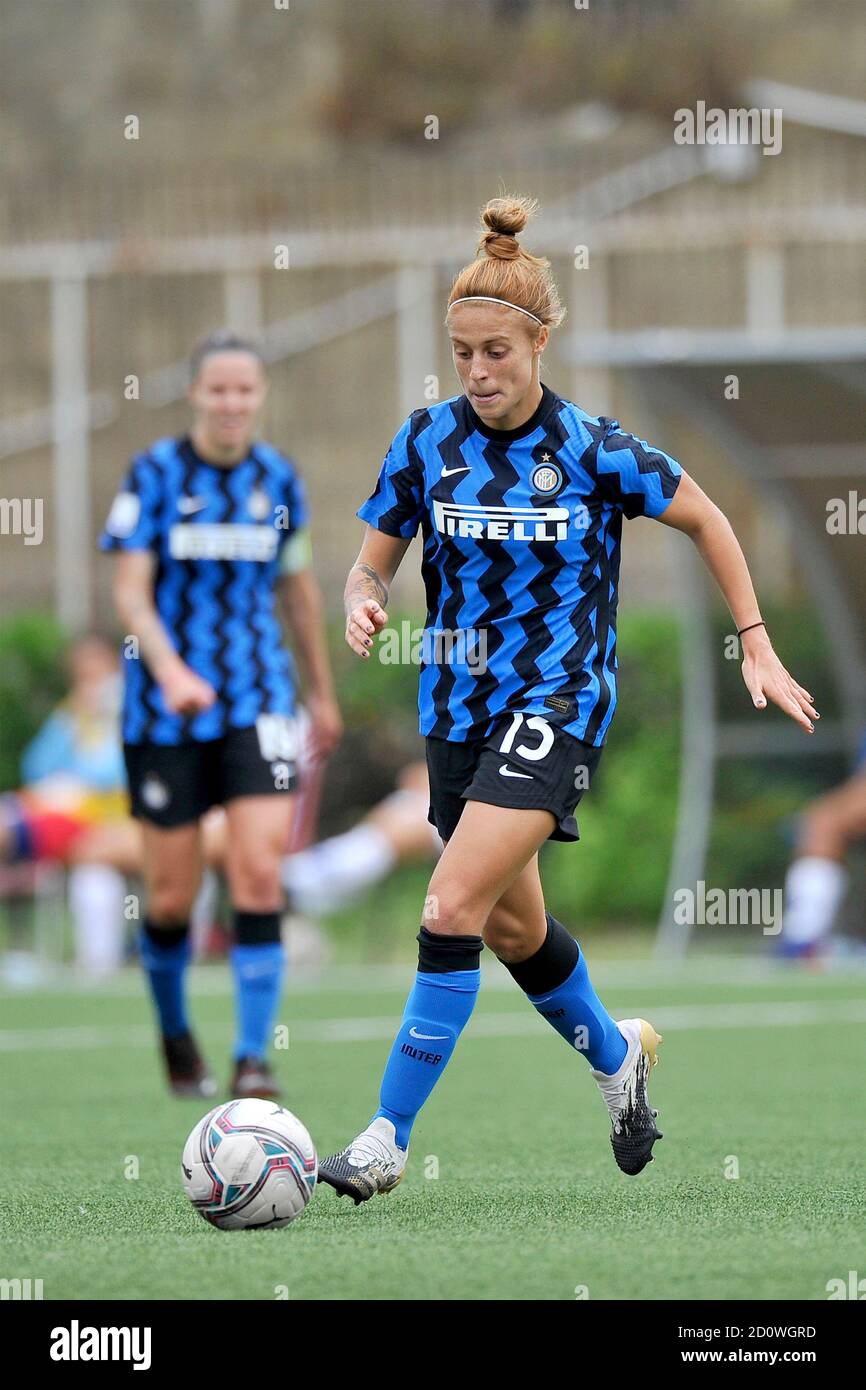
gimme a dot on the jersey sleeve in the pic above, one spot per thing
(634, 476)
(133, 521)
(397, 503)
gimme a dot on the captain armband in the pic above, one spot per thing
(297, 553)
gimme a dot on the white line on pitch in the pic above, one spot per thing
(676, 1018)
(216, 980)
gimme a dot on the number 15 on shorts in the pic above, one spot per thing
(538, 725)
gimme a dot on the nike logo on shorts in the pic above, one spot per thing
(506, 771)
(428, 1037)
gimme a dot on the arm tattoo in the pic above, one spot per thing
(364, 582)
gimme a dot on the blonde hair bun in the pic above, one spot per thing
(503, 269)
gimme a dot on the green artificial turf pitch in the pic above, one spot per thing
(511, 1191)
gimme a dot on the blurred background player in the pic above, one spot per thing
(210, 529)
(816, 881)
(520, 496)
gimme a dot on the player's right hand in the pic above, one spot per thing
(366, 619)
(186, 693)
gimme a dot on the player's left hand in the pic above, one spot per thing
(766, 679)
(326, 724)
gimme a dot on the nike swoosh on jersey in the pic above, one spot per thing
(506, 771)
(428, 1037)
(446, 472)
(187, 505)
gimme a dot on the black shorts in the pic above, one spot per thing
(526, 762)
(174, 785)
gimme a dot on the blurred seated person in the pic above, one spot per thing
(817, 879)
(72, 807)
(332, 873)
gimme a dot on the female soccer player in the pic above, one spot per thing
(209, 528)
(520, 496)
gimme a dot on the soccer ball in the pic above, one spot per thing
(249, 1164)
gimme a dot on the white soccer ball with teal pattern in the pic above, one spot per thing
(249, 1164)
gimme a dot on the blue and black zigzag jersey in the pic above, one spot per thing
(521, 532)
(220, 538)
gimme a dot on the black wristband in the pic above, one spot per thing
(749, 628)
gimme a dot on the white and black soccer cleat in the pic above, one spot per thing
(372, 1163)
(633, 1122)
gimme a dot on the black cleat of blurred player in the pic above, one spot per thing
(188, 1076)
(252, 1077)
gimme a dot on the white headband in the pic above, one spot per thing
(491, 299)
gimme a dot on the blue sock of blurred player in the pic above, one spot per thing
(437, 1011)
(556, 981)
(257, 961)
(165, 953)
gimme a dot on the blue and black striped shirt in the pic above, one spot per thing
(521, 531)
(219, 536)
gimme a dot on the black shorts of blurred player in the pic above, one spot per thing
(174, 786)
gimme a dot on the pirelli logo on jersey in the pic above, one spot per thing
(216, 541)
(500, 523)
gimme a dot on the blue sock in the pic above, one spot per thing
(556, 981)
(258, 971)
(437, 1011)
(165, 954)
(576, 1012)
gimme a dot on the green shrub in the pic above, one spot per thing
(31, 682)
